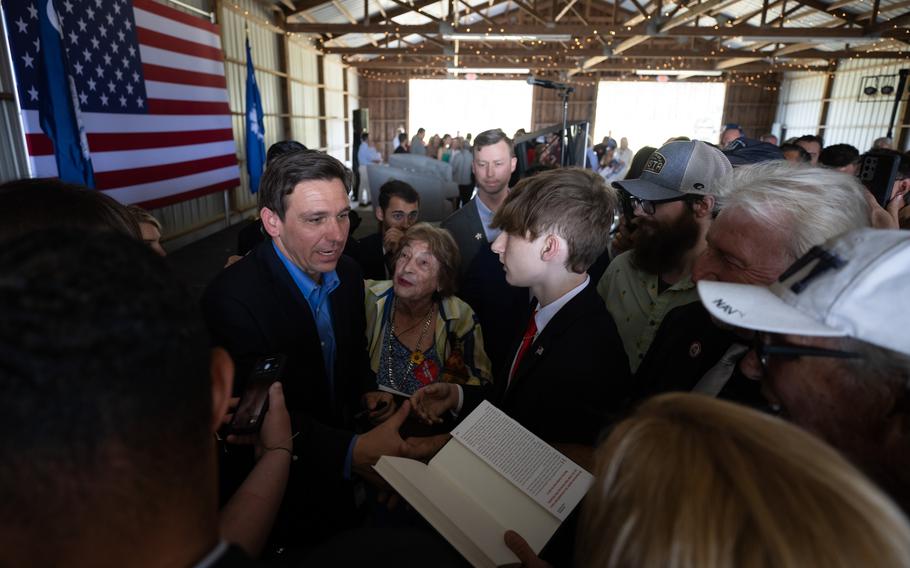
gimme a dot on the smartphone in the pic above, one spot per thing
(878, 173)
(254, 401)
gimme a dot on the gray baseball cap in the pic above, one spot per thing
(676, 169)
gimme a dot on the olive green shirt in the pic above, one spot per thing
(633, 300)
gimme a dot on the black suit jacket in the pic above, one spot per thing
(254, 308)
(687, 345)
(371, 258)
(572, 381)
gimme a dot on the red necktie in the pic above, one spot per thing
(526, 342)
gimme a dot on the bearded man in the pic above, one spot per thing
(669, 208)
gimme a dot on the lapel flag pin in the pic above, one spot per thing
(478, 236)
(539, 350)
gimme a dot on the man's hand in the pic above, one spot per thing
(900, 197)
(276, 424)
(423, 448)
(373, 399)
(523, 551)
(383, 440)
(391, 238)
(432, 401)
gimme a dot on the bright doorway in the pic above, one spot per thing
(648, 113)
(460, 106)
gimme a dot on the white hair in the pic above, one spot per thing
(809, 204)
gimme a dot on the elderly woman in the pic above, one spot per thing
(418, 332)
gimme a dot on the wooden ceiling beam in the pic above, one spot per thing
(802, 51)
(783, 35)
(563, 65)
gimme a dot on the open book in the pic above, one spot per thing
(493, 475)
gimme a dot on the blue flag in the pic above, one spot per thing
(58, 109)
(255, 129)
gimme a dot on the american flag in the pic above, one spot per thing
(152, 92)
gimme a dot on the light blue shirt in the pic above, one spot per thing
(367, 155)
(317, 296)
(486, 217)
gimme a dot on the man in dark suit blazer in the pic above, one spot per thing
(297, 295)
(397, 210)
(482, 284)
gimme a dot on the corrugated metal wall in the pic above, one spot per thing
(858, 119)
(852, 117)
(287, 71)
(800, 103)
(12, 151)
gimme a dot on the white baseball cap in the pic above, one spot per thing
(855, 285)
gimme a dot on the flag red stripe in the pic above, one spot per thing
(39, 144)
(144, 140)
(137, 176)
(177, 198)
(167, 106)
(170, 75)
(172, 14)
(171, 43)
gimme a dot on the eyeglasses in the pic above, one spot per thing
(765, 350)
(630, 202)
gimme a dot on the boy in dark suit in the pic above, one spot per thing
(567, 373)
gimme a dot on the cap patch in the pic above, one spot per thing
(655, 163)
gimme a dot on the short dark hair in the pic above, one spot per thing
(365, 136)
(105, 378)
(283, 147)
(442, 246)
(803, 154)
(574, 203)
(402, 136)
(288, 170)
(811, 138)
(838, 155)
(490, 137)
(639, 160)
(28, 205)
(420, 130)
(397, 188)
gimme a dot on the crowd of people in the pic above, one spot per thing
(715, 331)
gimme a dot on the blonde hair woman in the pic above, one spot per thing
(689, 481)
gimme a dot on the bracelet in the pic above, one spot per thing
(290, 453)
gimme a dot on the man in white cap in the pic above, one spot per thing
(669, 208)
(773, 213)
(831, 347)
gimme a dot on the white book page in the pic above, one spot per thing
(508, 505)
(456, 516)
(550, 478)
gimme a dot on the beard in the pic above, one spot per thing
(660, 247)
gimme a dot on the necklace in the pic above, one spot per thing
(417, 357)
